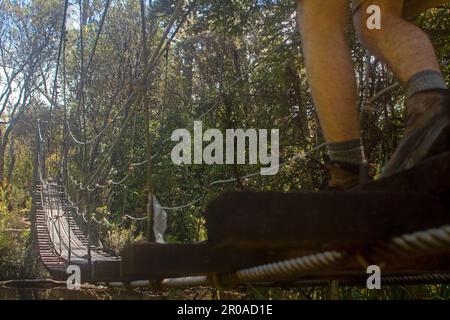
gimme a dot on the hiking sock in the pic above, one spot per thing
(423, 81)
(351, 152)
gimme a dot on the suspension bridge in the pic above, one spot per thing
(60, 242)
(401, 223)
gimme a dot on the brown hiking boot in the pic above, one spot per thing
(427, 130)
(343, 176)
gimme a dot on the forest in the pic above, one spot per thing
(104, 84)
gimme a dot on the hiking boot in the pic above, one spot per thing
(427, 130)
(343, 176)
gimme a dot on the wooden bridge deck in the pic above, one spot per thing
(61, 243)
(401, 223)
(248, 229)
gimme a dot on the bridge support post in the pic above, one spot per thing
(37, 150)
(34, 182)
(89, 248)
(69, 253)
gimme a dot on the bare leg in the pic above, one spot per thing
(400, 44)
(410, 54)
(329, 67)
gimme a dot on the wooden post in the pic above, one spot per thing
(69, 253)
(89, 246)
(150, 211)
(37, 150)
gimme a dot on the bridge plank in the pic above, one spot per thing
(154, 261)
(106, 271)
(334, 220)
(413, 200)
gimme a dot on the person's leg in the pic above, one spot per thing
(400, 44)
(329, 67)
(331, 77)
(409, 53)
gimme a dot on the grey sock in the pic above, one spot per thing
(351, 151)
(424, 80)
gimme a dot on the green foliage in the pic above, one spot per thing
(423, 292)
(16, 259)
(238, 61)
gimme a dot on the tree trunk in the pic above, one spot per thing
(187, 72)
(2, 157)
(12, 160)
(2, 163)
